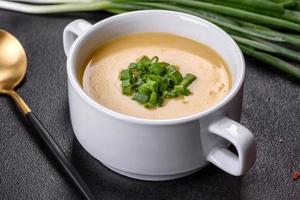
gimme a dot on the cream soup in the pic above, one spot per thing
(101, 80)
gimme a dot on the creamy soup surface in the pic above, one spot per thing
(101, 74)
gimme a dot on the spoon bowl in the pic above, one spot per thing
(13, 62)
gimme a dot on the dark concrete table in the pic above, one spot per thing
(271, 111)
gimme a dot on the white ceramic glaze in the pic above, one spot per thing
(158, 149)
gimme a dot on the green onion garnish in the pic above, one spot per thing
(126, 83)
(151, 81)
(188, 79)
(140, 97)
(126, 74)
(127, 90)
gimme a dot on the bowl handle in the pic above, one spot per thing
(241, 138)
(72, 31)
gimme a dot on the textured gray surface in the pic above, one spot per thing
(271, 111)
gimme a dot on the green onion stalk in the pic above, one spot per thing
(267, 30)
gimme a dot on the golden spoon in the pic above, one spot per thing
(13, 64)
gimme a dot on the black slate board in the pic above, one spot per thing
(271, 111)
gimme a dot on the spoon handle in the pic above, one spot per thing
(60, 156)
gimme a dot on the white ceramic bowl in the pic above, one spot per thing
(158, 149)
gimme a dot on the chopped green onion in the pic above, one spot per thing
(163, 87)
(170, 68)
(187, 92)
(144, 89)
(126, 83)
(127, 90)
(151, 81)
(187, 80)
(164, 64)
(179, 89)
(141, 98)
(176, 77)
(143, 62)
(153, 98)
(170, 94)
(154, 59)
(126, 74)
(156, 68)
(152, 85)
(156, 78)
(132, 65)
